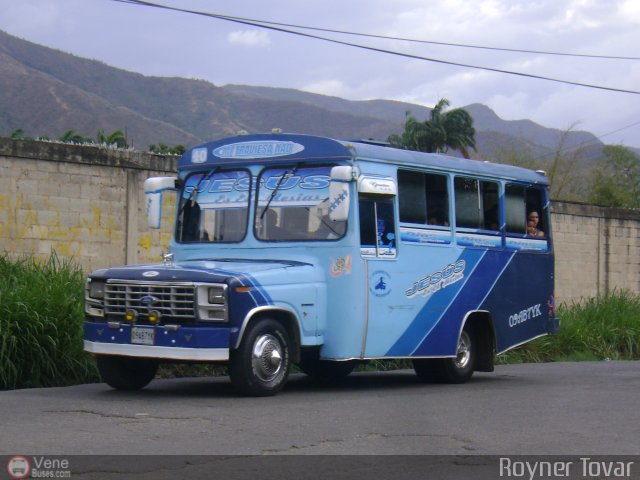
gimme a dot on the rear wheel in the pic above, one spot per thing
(260, 366)
(126, 373)
(458, 369)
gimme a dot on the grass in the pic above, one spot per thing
(604, 328)
(41, 314)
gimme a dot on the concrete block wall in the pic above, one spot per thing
(87, 203)
(597, 250)
(84, 202)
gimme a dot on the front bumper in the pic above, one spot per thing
(184, 343)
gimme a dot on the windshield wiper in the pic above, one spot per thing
(194, 193)
(286, 175)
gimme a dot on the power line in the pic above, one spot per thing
(375, 49)
(597, 138)
(413, 40)
(429, 42)
(619, 129)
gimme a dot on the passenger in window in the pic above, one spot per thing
(533, 220)
(437, 220)
(274, 232)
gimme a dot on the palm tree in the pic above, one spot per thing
(452, 129)
(70, 136)
(115, 138)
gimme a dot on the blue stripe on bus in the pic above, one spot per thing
(258, 294)
(443, 338)
(485, 269)
(424, 322)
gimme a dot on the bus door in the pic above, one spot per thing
(384, 322)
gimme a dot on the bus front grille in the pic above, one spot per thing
(175, 301)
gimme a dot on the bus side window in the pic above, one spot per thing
(534, 201)
(423, 198)
(477, 204)
(522, 203)
(377, 226)
(515, 209)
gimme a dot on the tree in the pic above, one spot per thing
(452, 129)
(70, 136)
(163, 149)
(116, 138)
(18, 134)
(616, 180)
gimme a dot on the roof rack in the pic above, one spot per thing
(371, 141)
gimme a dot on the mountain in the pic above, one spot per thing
(46, 92)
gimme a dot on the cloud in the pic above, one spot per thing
(333, 88)
(126, 36)
(249, 38)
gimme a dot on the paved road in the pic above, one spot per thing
(542, 409)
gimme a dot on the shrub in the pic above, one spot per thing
(41, 314)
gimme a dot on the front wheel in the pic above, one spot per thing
(126, 373)
(450, 370)
(260, 366)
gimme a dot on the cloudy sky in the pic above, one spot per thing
(168, 43)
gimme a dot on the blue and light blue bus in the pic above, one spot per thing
(295, 249)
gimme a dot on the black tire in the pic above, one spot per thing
(325, 369)
(126, 373)
(260, 366)
(450, 370)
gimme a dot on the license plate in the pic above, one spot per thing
(142, 336)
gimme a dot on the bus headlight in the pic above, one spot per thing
(217, 294)
(212, 303)
(94, 298)
(96, 290)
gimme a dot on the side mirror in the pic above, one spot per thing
(339, 199)
(154, 187)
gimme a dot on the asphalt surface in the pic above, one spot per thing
(535, 409)
(556, 408)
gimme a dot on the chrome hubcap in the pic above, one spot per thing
(266, 358)
(463, 354)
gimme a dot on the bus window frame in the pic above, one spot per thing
(256, 228)
(519, 241)
(479, 237)
(426, 233)
(391, 250)
(179, 216)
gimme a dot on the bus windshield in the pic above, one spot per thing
(293, 205)
(214, 207)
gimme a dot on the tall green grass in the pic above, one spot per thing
(41, 314)
(602, 328)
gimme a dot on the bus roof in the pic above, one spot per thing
(398, 156)
(287, 148)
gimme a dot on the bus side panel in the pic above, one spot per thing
(418, 286)
(522, 301)
(495, 281)
(345, 309)
(446, 308)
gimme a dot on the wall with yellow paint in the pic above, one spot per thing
(86, 203)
